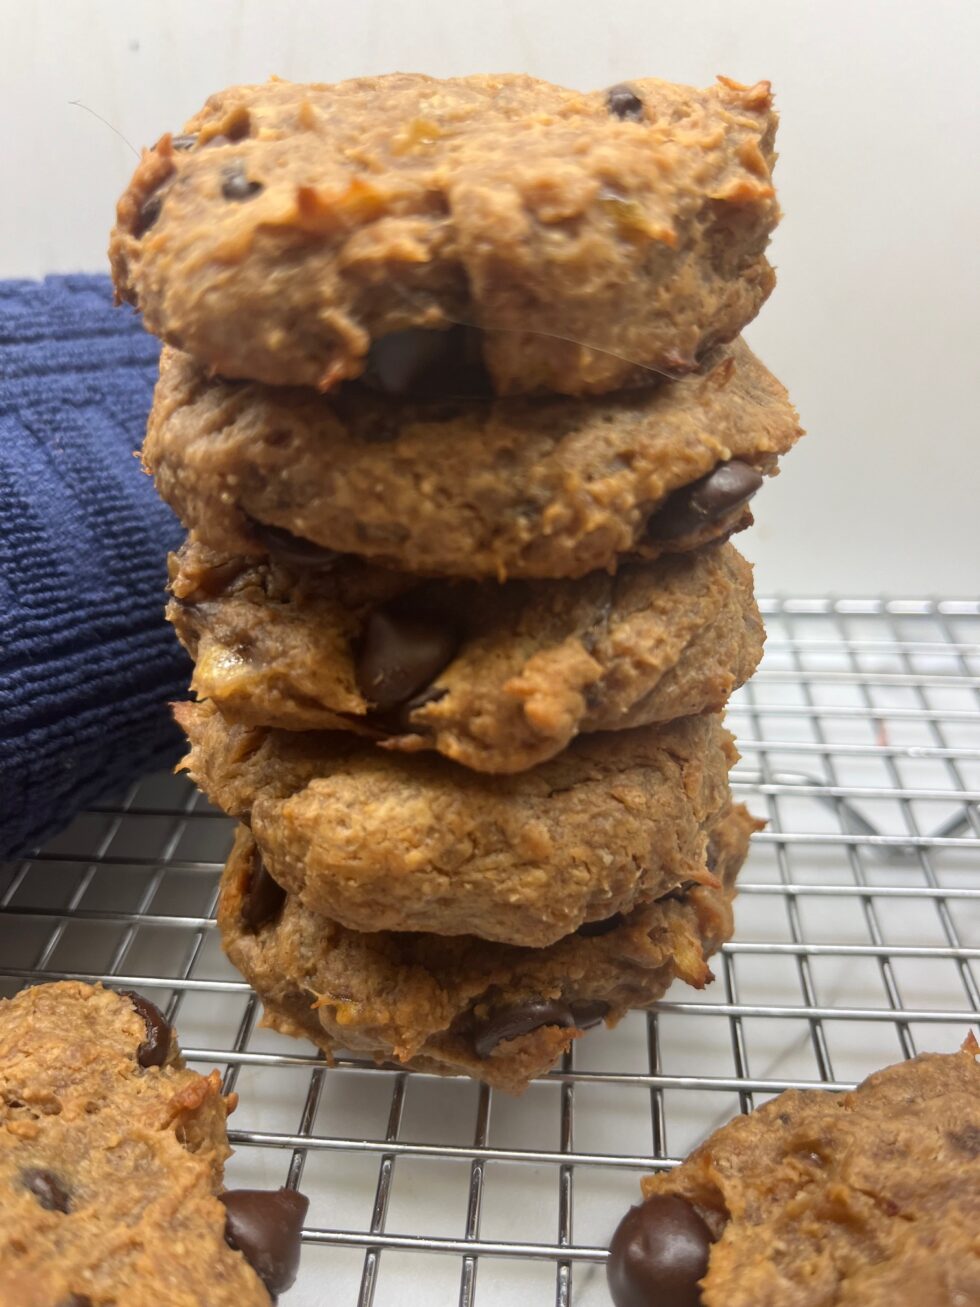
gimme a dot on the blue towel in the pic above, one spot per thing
(87, 663)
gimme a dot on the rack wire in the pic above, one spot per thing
(857, 944)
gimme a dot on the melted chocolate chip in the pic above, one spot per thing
(265, 1227)
(153, 1051)
(726, 487)
(400, 653)
(588, 1012)
(588, 929)
(264, 897)
(47, 1189)
(236, 186)
(425, 364)
(149, 212)
(520, 1019)
(294, 549)
(183, 142)
(76, 1300)
(658, 1254)
(624, 102)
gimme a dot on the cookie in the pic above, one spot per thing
(476, 488)
(458, 1004)
(497, 677)
(377, 841)
(111, 1158)
(304, 234)
(866, 1199)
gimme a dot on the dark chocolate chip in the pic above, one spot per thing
(658, 1254)
(47, 1189)
(520, 1019)
(400, 653)
(679, 892)
(264, 897)
(726, 487)
(76, 1300)
(183, 142)
(425, 364)
(265, 1227)
(236, 186)
(588, 929)
(966, 1141)
(294, 549)
(588, 1012)
(153, 1051)
(624, 102)
(150, 210)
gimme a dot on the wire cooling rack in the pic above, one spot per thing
(857, 944)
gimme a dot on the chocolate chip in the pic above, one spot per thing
(47, 1189)
(400, 653)
(153, 1051)
(425, 364)
(76, 1300)
(236, 185)
(589, 929)
(183, 142)
(520, 1019)
(588, 1012)
(726, 487)
(264, 897)
(658, 1254)
(624, 102)
(265, 1227)
(294, 549)
(150, 210)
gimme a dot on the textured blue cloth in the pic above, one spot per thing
(87, 663)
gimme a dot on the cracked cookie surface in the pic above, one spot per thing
(474, 488)
(111, 1158)
(862, 1199)
(454, 1005)
(378, 841)
(496, 677)
(588, 240)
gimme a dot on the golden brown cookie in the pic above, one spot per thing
(458, 1004)
(866, 1199)
(111, 1159)
(294, 233)
(477, 488)
(497, 677)
(377, 841)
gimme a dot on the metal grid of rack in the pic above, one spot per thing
(857, 943)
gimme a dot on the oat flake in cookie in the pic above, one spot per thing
(379, 841)
(460, 1005)
(111, 1161)
(866, 1199)
(497, 677)
(476, 487)
(304, 234)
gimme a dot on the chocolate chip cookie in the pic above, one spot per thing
(111, 1157)
(463, 1005)
(377, 841)
(476, 488)
(497, 677)
(866, 1199)
(304, 234)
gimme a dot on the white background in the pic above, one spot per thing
(874, 325)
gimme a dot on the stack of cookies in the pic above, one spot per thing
(456, 413)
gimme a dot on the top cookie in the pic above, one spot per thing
(293, 232)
